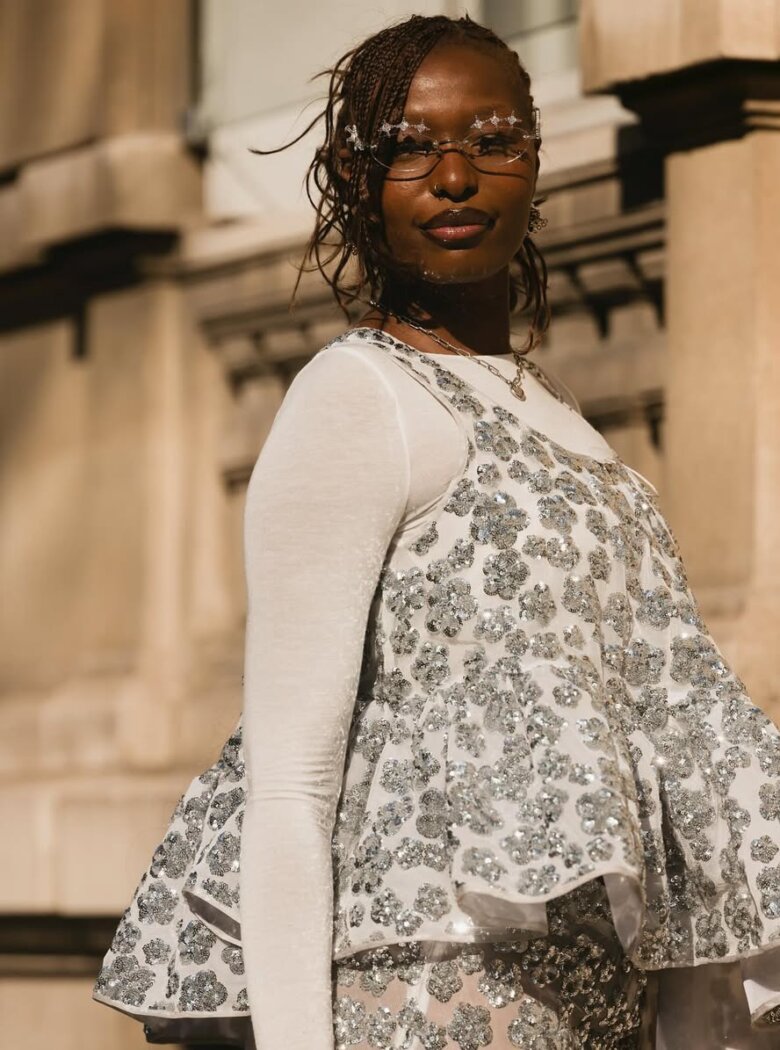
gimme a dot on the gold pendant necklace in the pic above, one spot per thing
(516, 386)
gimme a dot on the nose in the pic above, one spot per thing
(454, 176)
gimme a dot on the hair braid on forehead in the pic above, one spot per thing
(369, 84)
(385, 69)
(378, 84)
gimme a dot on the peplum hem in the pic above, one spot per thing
(175, 962)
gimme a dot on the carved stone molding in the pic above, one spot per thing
(54, 945)
(712, 101)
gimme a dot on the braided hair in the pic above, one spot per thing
(369, 85)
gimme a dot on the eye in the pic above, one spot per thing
(497, 144)
(411, 147)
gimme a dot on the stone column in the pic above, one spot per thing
(705, 82)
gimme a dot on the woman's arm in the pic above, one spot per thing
(325, 498)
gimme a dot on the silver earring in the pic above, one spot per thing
(536, 220)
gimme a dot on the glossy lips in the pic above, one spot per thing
(458, 227)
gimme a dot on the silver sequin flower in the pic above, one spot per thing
(432, 901)
(555, 513)
(470, 1027)
(496, 519)
(451, 605)
(537, 604)
(404, 591)
(504, 574)
(202, 991)
(494, 437)
(196, 942)
(156, 904)
(125, 981)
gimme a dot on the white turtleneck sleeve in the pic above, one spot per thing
(325, 498)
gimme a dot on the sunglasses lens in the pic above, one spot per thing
(489, 149)
(408, 156)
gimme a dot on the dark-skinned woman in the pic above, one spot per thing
(495, 784)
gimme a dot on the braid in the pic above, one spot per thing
(369, 85)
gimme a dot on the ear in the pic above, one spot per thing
(536, 170)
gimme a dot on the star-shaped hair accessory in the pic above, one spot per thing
(494, 121)
(405, 125)
(511, 120)
(353, 139)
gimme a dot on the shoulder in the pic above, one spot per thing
(341, 379)
(336, 435)
(341, 399)
(355, 376)
(554, 384)
(349, 366)
(355, 353)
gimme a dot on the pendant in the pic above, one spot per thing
(516, 386)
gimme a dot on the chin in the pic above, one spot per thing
(462, 271)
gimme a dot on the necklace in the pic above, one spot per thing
(515, 384)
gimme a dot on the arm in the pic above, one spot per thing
(325, 498)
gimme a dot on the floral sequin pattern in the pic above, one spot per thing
(557, 669)
(175, 957)
(571, 990)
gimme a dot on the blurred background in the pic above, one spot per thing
(146, 265)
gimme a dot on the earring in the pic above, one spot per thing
(536, 220)
(351, 247)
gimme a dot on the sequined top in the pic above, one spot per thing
(359, 454)
(539, 703)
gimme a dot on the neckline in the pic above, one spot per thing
(427, 353)
(613, 460)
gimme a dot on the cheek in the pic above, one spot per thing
(399, 206)
(514, 221)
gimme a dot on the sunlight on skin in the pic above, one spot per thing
(463, 285)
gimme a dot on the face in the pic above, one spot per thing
(453, 85)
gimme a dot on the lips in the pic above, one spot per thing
(458, 227)
(454, 217)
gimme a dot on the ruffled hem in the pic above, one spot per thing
(501, 917)
(175, 961)
(629, 916)
(161, 1027)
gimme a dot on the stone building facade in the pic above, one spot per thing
(146, 341)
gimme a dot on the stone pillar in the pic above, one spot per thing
(705, 82)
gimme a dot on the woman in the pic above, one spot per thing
(500, 787)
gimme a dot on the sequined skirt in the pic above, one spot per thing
(571, 990)
(176, 962)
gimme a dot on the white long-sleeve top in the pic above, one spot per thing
(358, 453)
